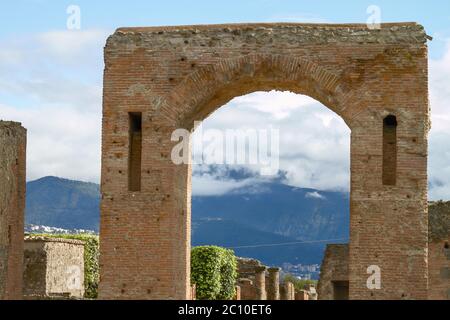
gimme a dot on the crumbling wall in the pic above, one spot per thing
(334, 268)
(439, 251)
(53, 268)
(246, 267)
(12, 205)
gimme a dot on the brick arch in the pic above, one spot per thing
(169, 76)
(204, 90)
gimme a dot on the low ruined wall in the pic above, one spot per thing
(53, 268)
(12, 205)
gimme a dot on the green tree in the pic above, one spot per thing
(214, 272)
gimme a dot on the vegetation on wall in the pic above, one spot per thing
(91, 258)
(214, 272)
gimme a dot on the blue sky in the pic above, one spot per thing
(25, 16)
(51, 81)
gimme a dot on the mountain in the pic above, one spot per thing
(63, 203)
(272, 222)
(303, 214)
(270, 248)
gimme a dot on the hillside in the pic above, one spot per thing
(275, 214)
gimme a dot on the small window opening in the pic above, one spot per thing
(390, 150)
(135, 151)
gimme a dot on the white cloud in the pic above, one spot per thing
(209, 185)
(314, 141)
(70, 46)
(439, 148)
(314, 195)
(51, 82)
(60, 141)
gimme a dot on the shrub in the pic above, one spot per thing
(214, 272)
(91, 257)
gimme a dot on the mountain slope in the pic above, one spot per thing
(63, 203)
(272, 213)
(303, 214)
(249, 242)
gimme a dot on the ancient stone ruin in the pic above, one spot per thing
(258, 282)
(12, 206)
(53, 268)
(159, 79)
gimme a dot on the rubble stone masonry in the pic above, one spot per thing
(53, 268)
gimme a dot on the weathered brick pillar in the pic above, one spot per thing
(12, 205)
(273, 285)
(260, 282)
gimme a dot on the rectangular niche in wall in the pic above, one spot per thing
(390, 150)
(135, 151)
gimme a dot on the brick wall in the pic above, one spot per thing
(176, 75)
(12, 205)
(334, 268)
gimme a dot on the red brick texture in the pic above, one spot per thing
(12, 206)
(176, 75)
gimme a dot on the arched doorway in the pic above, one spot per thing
(164, 79)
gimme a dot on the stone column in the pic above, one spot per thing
(287, 291)
(273, 285)
(237, 295)
(12, 205)
(260, 282)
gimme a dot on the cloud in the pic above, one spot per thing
(314, 195)
(439, 149)
(314, 141)
(51, 82)
(61, 141)
(208, 185)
